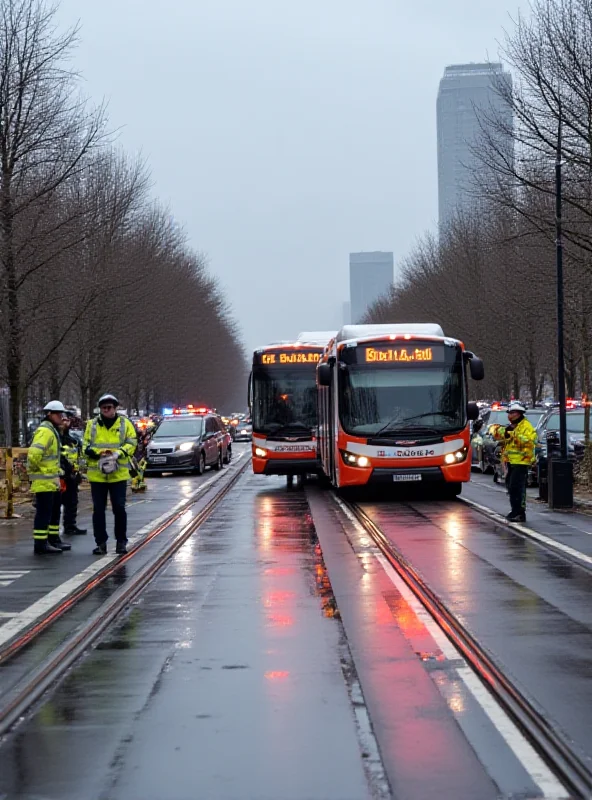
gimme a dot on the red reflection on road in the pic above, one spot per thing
(277, 675)
(277, 598)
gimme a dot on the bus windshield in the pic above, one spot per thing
(389, 400)
(284, 401)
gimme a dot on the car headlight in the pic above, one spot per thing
(260, 452)
(354, 460)
(185, 447)
(457, 457)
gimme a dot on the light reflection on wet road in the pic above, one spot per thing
(527, 606)
(224, 681)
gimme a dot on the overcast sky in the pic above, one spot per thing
(283, 135)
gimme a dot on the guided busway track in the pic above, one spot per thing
(32, 686)
(546, 740)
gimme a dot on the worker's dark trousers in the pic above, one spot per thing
(516, 483)
(70, 503)
(116, 493)
(47, 514)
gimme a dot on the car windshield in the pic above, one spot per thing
(170, 428)
(387, 400)
(284, 400)
(498, 418)
(533, 415)
(575, 423)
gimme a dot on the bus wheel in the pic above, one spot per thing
(451, 490)
(289, 481)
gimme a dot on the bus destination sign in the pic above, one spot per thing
(398, 354)
(285, 358)
(393, 354)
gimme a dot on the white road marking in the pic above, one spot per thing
(532, 534)
(24, 619)
(13, 574)
(551, 788)
(532, 507)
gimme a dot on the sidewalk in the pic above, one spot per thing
(25, 578)
(569, 528)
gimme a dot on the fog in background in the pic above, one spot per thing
(284, 135)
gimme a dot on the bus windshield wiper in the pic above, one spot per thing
(275, 428)
(404, 429)
(450, 414)
(392, 427)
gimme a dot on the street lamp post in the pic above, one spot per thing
(560, 469)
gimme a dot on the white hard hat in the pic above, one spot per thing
(55, 405)
(516, 405)
(108, 397)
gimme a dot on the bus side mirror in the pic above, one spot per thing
(472, 411)
(249, 392)
(477, 369)
(477, 426)
(324, 374)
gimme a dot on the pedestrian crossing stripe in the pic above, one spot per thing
(8, 576)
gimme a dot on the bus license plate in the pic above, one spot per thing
(407, 477)
(158, 459)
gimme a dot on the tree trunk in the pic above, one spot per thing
(13, 338)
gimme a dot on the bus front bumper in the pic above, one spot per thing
(356, 476)
(284, 466)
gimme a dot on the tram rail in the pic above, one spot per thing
(32, 686)
(550, 744)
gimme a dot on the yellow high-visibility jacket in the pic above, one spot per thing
(43, 459)
(120, 438)
(71, 450)
(518, 446)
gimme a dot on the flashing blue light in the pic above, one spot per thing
(166, 411)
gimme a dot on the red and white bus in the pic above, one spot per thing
(283, 403)
(393, 407)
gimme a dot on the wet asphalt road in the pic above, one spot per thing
(254, 667)
(528, 606)
(226, 679)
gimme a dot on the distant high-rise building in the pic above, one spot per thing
(469, 101)
(370, 276)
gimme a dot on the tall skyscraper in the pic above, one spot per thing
(370, 276)
(468, 101)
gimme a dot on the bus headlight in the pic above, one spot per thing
(260, 452)
(354, 460)
(456, 458)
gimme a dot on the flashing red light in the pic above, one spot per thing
(570, 403)
(495, 406)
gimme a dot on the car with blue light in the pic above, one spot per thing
(188, 442)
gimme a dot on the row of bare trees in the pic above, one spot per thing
(490, 277)
(99, 289)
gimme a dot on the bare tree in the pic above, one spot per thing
(46, 136)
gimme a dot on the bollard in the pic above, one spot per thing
(560, 483)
